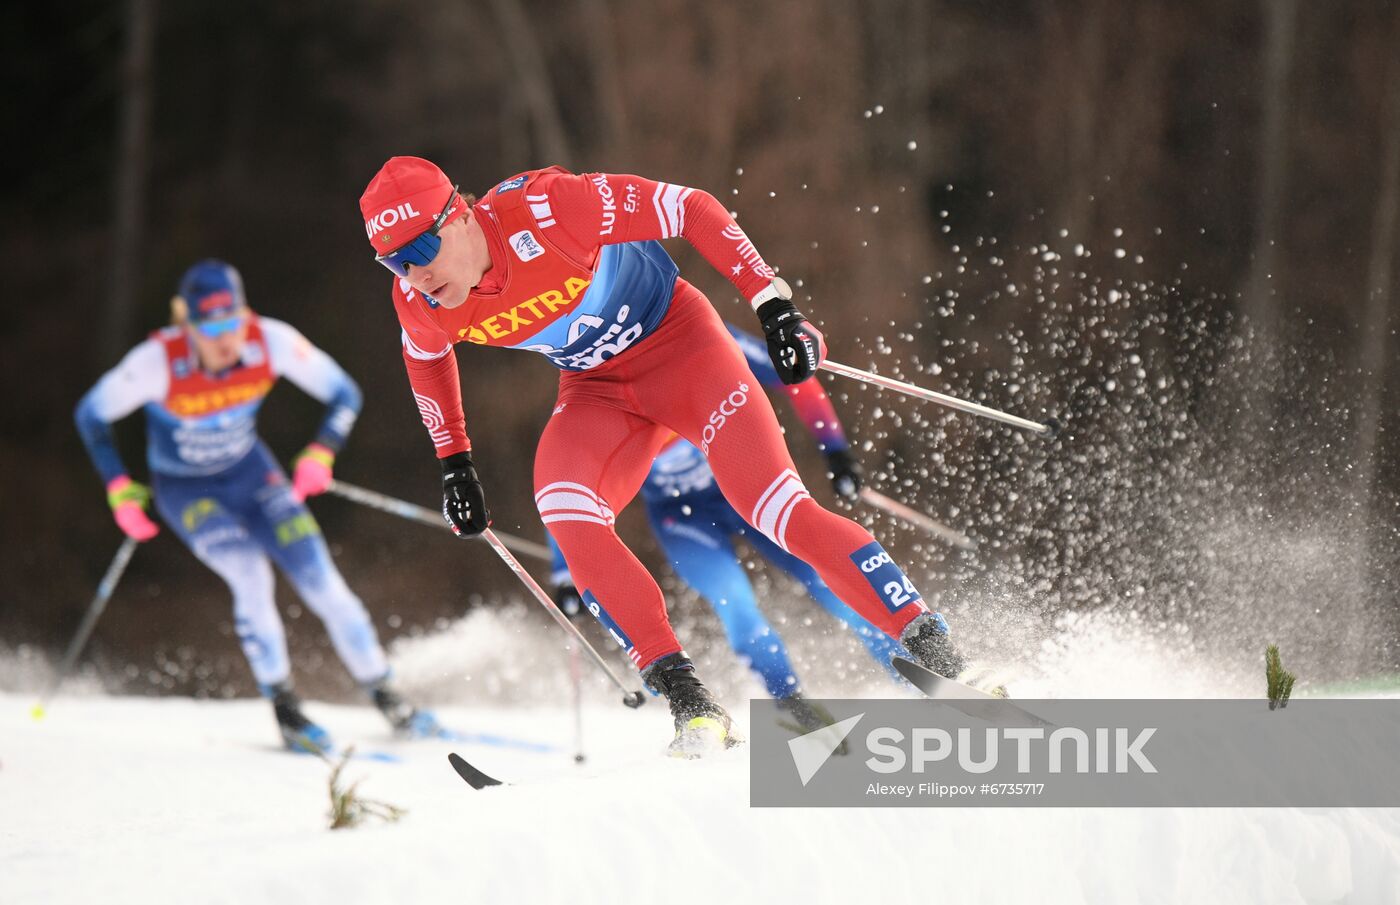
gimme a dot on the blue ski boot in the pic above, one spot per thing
(807, 715)
(298, 733)
(407, 720)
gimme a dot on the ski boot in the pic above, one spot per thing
(407, 720)
(298, 733)
(927, 639)
(702, 726)
(807, 717)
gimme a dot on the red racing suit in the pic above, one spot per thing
(578, 275)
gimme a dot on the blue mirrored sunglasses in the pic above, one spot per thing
(217, 328)
(423, 249)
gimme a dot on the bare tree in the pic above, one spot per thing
(1376, 322)
(607, 79)
(533, 77)
(724, 101)
(1078, 37)
(133, 155)
(1260, 295)
(514, 131)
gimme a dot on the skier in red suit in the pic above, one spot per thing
(571, 266)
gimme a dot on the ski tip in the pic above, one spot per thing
(972, 701)
(473, 777)
(936, 685)
(911, 670)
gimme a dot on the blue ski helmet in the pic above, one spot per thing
(212, 290)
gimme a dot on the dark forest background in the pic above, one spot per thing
(1171, 225)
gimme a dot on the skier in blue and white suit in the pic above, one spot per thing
(201, 383)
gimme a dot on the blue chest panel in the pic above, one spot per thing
(629, 294)
(202, 445)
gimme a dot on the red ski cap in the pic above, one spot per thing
(402, 200)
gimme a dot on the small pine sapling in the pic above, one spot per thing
(1280, 681)
(348, 808)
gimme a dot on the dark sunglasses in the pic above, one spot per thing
(423, 249)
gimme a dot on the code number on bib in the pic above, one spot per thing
(886, 578)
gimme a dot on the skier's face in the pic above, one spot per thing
(221, 352)
(458, 266)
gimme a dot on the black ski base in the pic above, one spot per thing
(940, 688)
(474, 777)
(978, 704)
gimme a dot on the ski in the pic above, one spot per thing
(355, 753)
(499, 741)
(937, 687)
(474, 777)
(383, 757)
(965, 698)
(444, 734)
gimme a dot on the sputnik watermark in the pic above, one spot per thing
(1114, 750)
(1078, 753)
(943, 790)
(811, 751)
(1101, 750)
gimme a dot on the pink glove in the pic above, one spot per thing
(128, 500)
(312, 474)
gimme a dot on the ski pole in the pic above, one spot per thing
(914, 517)
(629, 697)
(576, 678)
(1050, 428)
(414, 513)
(94, 612)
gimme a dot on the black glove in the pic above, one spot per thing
(794, 345)
(845, 474)
(463, 500)
(568, 599)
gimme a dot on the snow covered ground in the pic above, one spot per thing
(171, 800)
(118, 799)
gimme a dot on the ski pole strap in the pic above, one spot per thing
(951, 402)
(918, 519)
(414, 513)
(124, 490)
(317, 452)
